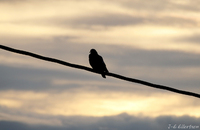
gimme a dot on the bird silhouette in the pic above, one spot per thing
(97, 63)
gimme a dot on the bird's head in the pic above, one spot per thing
(93, 51)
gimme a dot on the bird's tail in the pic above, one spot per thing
(103, 75)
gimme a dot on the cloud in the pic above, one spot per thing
(67, 90)
(143, 64)
(93, 99)
(102, 22)
(118, 122)
(162, 5)
(193, 39)
(156, 41)
(104, 13)
(108, 20)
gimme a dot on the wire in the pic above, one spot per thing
(93, 71)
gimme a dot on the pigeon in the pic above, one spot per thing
(97, 63)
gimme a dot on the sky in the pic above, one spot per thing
(156, 41)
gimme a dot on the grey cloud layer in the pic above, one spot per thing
(122, 60)
(195, 39)
(162, 5)
(124, 20)
(119, 122)
(158, 12)
(113, 19)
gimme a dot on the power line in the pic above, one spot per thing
(91, 70)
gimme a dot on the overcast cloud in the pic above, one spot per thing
(156, 41)
(119, 122)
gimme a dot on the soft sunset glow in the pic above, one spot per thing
(82, 102)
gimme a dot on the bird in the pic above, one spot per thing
(97, 63)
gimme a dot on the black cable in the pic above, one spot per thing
(91, 70)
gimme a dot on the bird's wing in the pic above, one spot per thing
(93, 60)
(103, 65)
